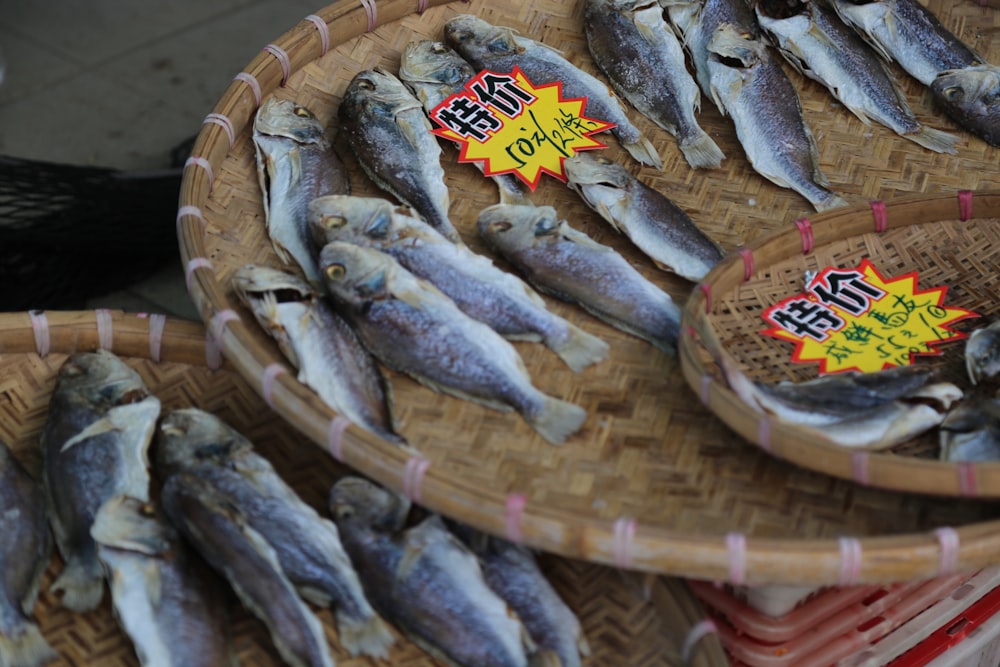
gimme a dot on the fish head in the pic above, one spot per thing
(189, 437)
(982, 354)
(355, 275)
(253, 280)
(971, 96)
(478, 40)
(284, 118)
(513, 227)
(101, 378)
(598, 180)
(357, 502)
(376, 93)
(433, 62)
(346, 217)
(130, 524)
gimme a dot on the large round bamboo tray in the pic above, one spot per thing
(949, 240)
(651, 622)
(651, 482)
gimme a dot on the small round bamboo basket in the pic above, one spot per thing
(652, 481)
(948, 240)
(650, 622)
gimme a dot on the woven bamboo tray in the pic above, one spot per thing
(948, 240)
(629, 621)
(651, 482)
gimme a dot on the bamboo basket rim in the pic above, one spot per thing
(804, 446)
(165, 339)
(622, 541)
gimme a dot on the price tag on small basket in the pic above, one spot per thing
(513, 126)
(855, 319)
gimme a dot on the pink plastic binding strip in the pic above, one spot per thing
(621, 548)
(698, 631)
(516, 503)
(254, 84)
(764, 433)
(286, 64)
(878, 212)
(193, 211)
(40, 326)
(706, 289)
(413, 477)
(105, 329)
(806, 232)
(706, 384)
(748, 268)
(736, 549)
(156, 325)
(859, 467)
(850, 561)
(335, 437)
(204, 164)
(967, 483)
(225, 123)
(219, 322)
(324, 33)
(372, 11)
(949, 541)
(421, 6)
(193, 265)
(272, 371)
(965, 204)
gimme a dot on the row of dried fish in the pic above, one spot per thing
(880, 410)
(221, 500)
(430, 280)
(843, 44)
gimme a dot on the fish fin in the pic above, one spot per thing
(582, 645)
(82, 588)
(580, 349)
(414, 127)
(558, 420)
(644, 152)
(935, 140)
(545, 658)
(371, 636)
(702, 152)
(28, 648)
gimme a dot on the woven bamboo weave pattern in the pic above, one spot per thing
(650, 455)
(619, 621)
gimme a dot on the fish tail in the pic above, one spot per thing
(557, 420)
(826, 203)
(27, 648)
(579, 349)
(935, 140)
(702, 152)
(81, 587)
(644, 152)
(368, 636)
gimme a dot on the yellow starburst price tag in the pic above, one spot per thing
(513, 126)
(855, 319)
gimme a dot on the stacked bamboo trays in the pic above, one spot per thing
(652, 481)
(650, 622)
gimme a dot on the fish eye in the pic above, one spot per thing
(336, 271)
(302, 112)
(343, 511)
(334, 221)
(365, 84)
(147, 510)
(439, 48)
(500, 226)
(953, 94)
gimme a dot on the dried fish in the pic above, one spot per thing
(571, 266)
(295, 163)
(25, 552)
(481, 290)
(164, 597)
(982, 353)
(411, 326)
(322, 345)
(971, 431)
(100, 423)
